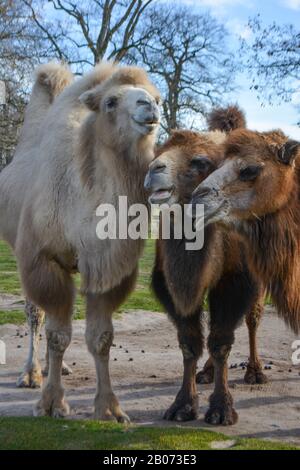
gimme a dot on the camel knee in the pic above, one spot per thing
(189, 333)
(191, 348)
(35, 316)
(58, 341)
(254, 317)
(219, 348)
(100, 345)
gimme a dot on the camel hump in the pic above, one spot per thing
(53, 77)
(226, 119)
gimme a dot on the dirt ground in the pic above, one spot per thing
(146, 371)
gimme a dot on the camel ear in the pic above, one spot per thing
(92, 98)
(288, 152)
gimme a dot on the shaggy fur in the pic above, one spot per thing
(51, 79)
(277, 230)
(114, 111)
(259, 185)
(226, 119)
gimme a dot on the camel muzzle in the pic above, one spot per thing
(158, 184)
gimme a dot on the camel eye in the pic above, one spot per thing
(111, 103)
(250, 173)
(202, 164)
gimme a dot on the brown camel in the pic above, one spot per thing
(255, 193)
(181, 278)
(226, 120)
(94, 144)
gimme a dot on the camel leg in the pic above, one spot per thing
(254, 373)
(206, 375)
(58, 332)
(221, 409)
(99, 338)
(65, 370)
(229, 301)
(32, 374)
(51, 287)
(189, 331)
(185, 406)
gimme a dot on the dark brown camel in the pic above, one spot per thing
(181, 278)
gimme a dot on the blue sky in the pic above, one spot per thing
(235, 14)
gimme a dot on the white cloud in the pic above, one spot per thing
(240, 28)
(296, 98)
(215, 4)
(219, 8)
(293, 4)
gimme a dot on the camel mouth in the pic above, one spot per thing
(149, 126)
(213, 215)
(161, 195)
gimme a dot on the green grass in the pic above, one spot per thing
(46, 433)
(142, 298)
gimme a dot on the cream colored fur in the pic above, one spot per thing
(15, 180)
(54, 221)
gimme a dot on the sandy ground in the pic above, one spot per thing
(146, 371)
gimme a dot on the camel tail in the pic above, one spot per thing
(226, 119)
(287, 301)
(291, 318)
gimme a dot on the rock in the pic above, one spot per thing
(220, 445)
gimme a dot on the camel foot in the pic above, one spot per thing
(66, 370)
(108, 409)
(30, 378)
(221, 411)
(255, 375)
(52, 403)
(184, 408)
(205, 376)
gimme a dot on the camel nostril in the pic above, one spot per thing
(147, 182)
(202, 192)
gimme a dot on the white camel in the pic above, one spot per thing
(51, 79)
(93, 144)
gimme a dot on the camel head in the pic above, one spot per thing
(127, 107)
(256, 178)
(185, 160)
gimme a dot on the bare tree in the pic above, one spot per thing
(188, 55)
(83, 33)
(273, 60)
(185, 52)
(80, 33)
(18, 45)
